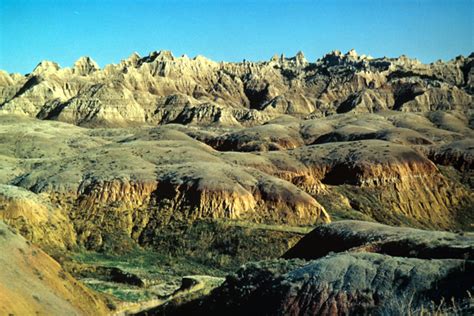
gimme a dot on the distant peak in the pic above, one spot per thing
(46, 66)
(162, 55)
(300, 59)
(299, 54)
(85, 60)
(132, 60)
(352, 53)
(202, 58)
(85, 65)
(134, 56)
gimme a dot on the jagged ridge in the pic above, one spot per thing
(161, 88)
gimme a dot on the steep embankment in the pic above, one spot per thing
(32, 283)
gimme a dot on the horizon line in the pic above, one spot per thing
(279, 55)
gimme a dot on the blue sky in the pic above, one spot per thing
(108, 31)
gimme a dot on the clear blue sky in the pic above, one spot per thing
(108, 31)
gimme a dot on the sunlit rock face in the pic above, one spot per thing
(128, 148)
(161, 88)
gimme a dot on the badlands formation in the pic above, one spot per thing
(216, 160)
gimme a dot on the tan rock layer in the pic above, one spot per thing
(137, 90)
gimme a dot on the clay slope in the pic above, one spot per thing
(115, 183)
(32, 283)
(131, 182)
(161, 88)
(356, 268)
(35, 218)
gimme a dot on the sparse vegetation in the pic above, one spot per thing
(214, 248)
(168, 185)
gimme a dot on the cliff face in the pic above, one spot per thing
(399, 178)
(161, 88)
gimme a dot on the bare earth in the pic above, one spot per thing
(209, 162)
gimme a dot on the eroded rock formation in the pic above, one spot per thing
(355, 268)
(285, 141)
(161, 88)
(135, 180)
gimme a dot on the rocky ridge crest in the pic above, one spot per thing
(161, 88)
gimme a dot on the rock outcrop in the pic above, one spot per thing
(138, 89)
(358, 236)
(355, 268)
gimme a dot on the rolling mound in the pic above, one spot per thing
(339, 284)
(131, 181)
(354, 268)
(358, 236)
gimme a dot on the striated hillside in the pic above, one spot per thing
(160, 166)
(62, 184)
(160, 88)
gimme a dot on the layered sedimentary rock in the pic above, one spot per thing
(288, 171)
(131, 183)
(31, 282)
(161, 88)
(285, 141)
(155, 147)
